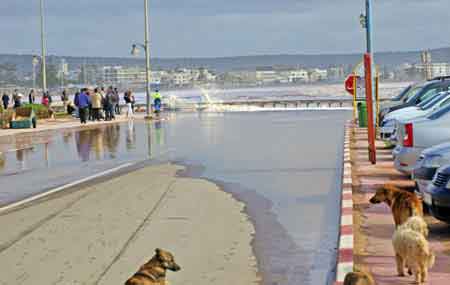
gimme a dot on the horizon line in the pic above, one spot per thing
(227, 57)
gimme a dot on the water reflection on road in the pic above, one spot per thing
(284, 165)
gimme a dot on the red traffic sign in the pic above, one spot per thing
(350, 84)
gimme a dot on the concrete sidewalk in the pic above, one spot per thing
(64, 123)
(374, 225)
(101, 234)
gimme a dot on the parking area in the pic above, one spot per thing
(374, 225)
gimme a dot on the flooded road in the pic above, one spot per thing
(284, 165)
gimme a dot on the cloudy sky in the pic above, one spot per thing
(209, 28)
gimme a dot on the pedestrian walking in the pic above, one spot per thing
(157, 100)
(116, 101)
(50, 98)
(45, 100)
(128, 101)
(17, 98)
(5, 101)
(108, 104)
(75, 99)
(31, 97)
(82, 102)
(64, 97)
(96, 101)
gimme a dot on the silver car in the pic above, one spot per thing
(430, 160)
(415, 136)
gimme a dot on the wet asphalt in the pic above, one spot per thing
(286, 167)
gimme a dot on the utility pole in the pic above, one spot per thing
(370, 84)
(147, 60)
(43, 49)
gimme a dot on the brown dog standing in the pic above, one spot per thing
(154, 271)
(402, 203)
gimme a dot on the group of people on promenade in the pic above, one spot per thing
(96, 104)
(89, 103)
(17, 99)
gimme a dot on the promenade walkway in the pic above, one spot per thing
(101, 234)
(374, 225)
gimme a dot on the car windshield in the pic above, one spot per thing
(412, 92)
(423, 94)
(402, 94)
(431, 101)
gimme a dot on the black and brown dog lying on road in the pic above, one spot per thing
(359, 278)
(154, 271)
(402, 203)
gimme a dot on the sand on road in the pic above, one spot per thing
(101, 234)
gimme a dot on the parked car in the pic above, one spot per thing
(389, 124)
(414, 136)
(418, 94)
(430, 160)
(397, 100)
(437, 196)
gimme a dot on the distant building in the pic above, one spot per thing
(298, 75)
(318, 74)
(440, 69)
(118, 75)
(336, 73)
(434, 69)
(266, 75)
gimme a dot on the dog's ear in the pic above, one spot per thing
(158, 251)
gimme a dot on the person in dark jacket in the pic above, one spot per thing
(5, 101)
(31, 97)
(109, 104)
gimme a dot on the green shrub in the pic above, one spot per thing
(40, 110)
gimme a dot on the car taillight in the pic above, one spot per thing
(408, 141)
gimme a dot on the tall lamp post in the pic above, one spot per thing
(34, 62)
(146, 46)
(43, 49)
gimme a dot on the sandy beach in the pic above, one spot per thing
(101, 234)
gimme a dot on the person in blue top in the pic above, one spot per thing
(82, 101)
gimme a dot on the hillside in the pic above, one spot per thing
(388, 59)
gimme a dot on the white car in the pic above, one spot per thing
(414, 136)
(390, 121)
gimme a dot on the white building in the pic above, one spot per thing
(299, 75)
(266, 75)
(440, 69)
(318, 74)
(118, 75)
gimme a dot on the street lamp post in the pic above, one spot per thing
(34, 62)
(146, 47)
(43, 49)
(147, 59)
